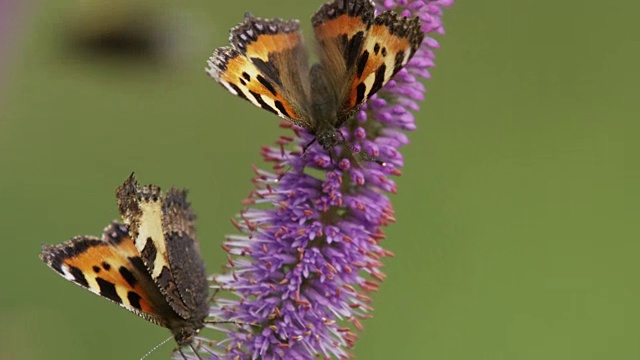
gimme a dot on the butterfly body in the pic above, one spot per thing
(150, 264)
(359, 52)
(323, 109)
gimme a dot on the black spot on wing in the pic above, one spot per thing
(281, 108)
(134, 299)
(149, 253)
(106, 266)
(263, 104)
(78, 276)
(128, 276)
(376, 49)
(352, 49)
(268, 69)
(398, 62)
(116, 233)
(246, 76)
(267, 85)
(379, 80)
(108, 290)
(96, 269)
(57, 266)
(237, 91)
(138, 264)
(360, 89)
(362, 63)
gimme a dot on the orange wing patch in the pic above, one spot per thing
(110, 267)
(340, 30)
(242, 78)
(266, 44)
(328, 29)
(266, 64)
(390, 44)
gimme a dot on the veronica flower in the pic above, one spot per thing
(308, 251)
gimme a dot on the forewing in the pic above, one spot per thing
(182, 247)
(362, 51)
(391, 43)
(110, 267)
(266, 64)
(156, 224)
(340, 29)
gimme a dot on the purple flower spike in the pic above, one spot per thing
(308, 253)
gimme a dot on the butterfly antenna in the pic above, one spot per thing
(234, 322)
(363, 154)
(305, 148)
(156, 348)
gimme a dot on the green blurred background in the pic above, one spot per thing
(517, 210)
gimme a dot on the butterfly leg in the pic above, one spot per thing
(195, 351)
(234, 322)
(306, 147)
(342, 138)
(213, 296)
(363, 154)
(331, 156)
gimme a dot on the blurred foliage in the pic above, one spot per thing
(516, 235)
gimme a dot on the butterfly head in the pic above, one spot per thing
(185, 335)
(328, 139)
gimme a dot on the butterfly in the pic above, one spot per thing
(150, 264)
(359, 52)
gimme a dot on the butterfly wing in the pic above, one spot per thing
(341, 28)
(163, 232)
(360, 51)
(182, 248)
(110, 267)
(266, 64)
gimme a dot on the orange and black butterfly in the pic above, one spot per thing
(359, 52)
(149, 264)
